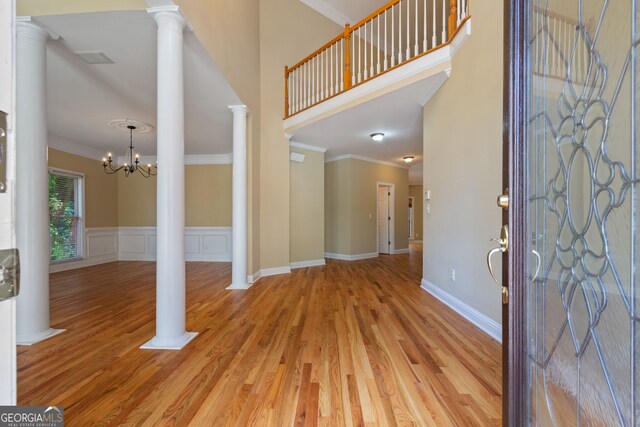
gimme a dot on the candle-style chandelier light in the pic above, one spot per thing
(133, 163)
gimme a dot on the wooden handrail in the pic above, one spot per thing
(347, 79)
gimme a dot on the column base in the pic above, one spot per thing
(241, 286)
(49, 333)
(162, 344)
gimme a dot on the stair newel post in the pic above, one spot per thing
(286, 91)
(347, 56)
(453, 17)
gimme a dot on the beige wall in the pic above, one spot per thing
(207, 198)
(306, 211)
(463, 167)
(350, 194)
(289, 31)
(58, 7)
(337, 191)
(416, 192)
(101, 190)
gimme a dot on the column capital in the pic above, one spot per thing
(170, 13)
(26, 26)
(240, 108)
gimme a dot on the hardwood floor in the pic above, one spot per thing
(351, 343)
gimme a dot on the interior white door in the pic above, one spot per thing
(7, 234)
(383, 220)
(411, 219)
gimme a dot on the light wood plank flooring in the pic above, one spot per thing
(351, 343)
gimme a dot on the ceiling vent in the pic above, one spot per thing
(94, 57)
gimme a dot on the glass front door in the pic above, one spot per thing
(583, 154)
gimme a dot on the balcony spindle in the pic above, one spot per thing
(408, 10)
(400, 32)
(393, 35)
(386, 63)
(371, 47)
(434, 41)
(416, 47)
(378, 44)
(424, 25)
(286, 91)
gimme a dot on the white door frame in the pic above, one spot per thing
(8, 366)
(392, 215)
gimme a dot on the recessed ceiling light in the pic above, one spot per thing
(94, 57)
(377, 137)
(408, 159)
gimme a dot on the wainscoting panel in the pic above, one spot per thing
(100, 246)
(201, 244)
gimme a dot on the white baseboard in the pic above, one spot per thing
(400, 251)
(100, 247)
(345, 257)
(486, 324)
(253, 278)
(310, 263)
(274, 271)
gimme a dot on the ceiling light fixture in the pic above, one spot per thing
(377, 137)
(408, 159)
(133, 164)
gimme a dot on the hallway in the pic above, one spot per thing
(351, 343)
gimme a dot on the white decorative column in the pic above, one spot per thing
(32, 190)
(239, 196)
(170, 265)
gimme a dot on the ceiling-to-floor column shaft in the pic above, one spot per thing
(170, 265)
(239, 208)
(32, 191)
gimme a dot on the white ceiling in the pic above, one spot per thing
(345, 11)
(83, 98)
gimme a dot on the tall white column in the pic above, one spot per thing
(170, 266)
(32, 190)
(239, 196)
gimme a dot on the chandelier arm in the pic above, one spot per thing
(110, 169)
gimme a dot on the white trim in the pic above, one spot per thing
(61, 144)
(152, 345)
(364, 159)
(296, 157)
(101, 247)
(253, 278)
(400, 251)
(64, 145)
(438, 82)
(275, 271)
(329, 11)
(310, 263)
(307, 147)
(49, 333)
(344, 257)
(484, 323)
(210, 244)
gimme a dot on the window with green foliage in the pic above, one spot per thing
(65, 215)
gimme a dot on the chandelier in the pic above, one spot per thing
(134, 161)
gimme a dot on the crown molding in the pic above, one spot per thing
(189, 159)
(71, 147)
(364, 159)
(307, 147)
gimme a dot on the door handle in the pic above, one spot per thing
(503, 247)
(538, 265)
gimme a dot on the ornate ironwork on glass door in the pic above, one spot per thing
(584, 324)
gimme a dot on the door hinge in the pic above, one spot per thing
(389, 242)
(388, 194)
(389, 218)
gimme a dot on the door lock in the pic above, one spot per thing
(503, 247)
(503, 199)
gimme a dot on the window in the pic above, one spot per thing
(66, 229)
